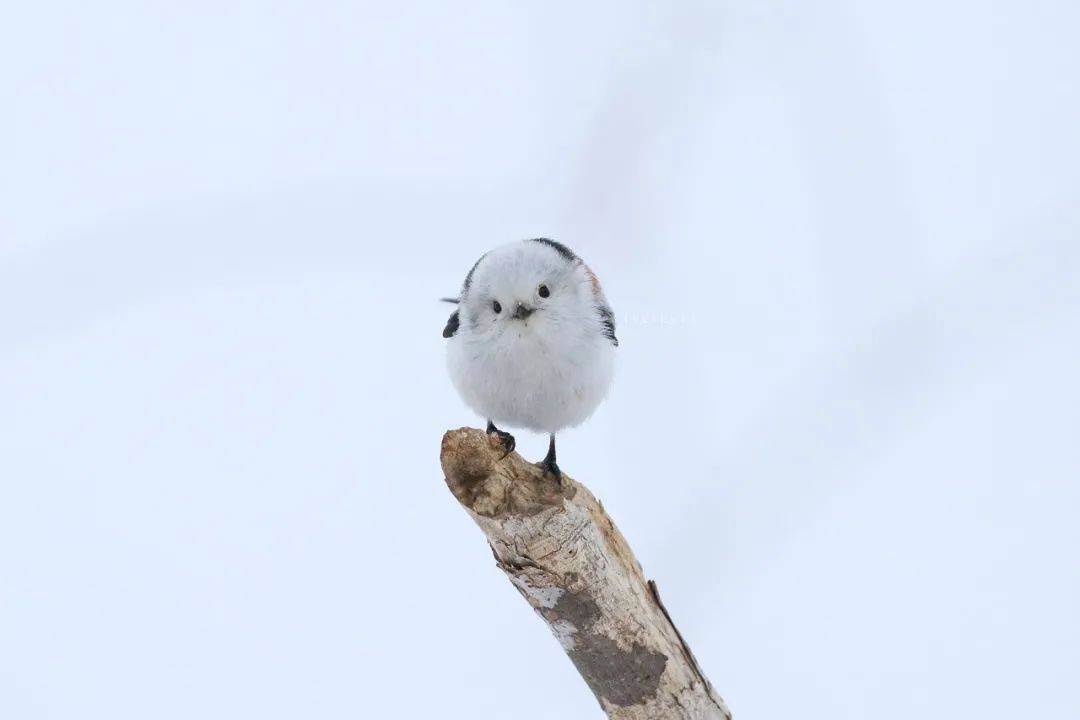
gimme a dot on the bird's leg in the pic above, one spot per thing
(548, 463)
(505, 438)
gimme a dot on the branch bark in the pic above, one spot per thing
(568, 560)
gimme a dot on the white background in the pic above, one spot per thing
(843, 243)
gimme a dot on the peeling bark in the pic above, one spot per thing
(568, 560)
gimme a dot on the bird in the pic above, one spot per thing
(532, 342)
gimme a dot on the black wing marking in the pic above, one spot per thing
(451, 325)
(567, 254)
(454, 322)
(607, 319)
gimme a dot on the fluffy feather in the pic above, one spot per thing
(544, 372)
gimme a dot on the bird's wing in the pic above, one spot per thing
(607, 319)
(607, 315)
(451, 325)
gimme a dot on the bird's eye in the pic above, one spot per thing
(543, 290)
(496, 307)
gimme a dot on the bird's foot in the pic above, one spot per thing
(505, 439)
(548, 463)
(550, 467)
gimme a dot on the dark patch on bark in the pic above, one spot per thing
(622, 677)
(578, 609)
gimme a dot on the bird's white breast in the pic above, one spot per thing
(539, 376)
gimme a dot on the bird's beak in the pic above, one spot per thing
(521, 312)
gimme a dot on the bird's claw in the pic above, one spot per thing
(551, 468)
(506, 440)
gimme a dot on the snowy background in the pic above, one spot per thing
(843, 243)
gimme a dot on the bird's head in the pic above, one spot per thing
(525, 288)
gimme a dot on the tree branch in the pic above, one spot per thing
(568, 560)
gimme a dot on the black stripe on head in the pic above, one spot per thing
(468, 278)
(567, 254)
(607, 319)
(451, 325)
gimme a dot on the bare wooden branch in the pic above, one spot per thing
(568, 560)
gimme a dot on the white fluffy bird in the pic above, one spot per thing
(532, 343)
